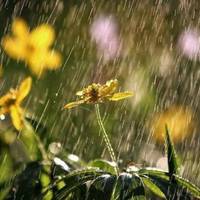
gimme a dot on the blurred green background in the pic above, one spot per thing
(151, 47)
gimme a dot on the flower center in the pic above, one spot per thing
(94, 95)
(30, 48)
(11, 100)
(91, 94)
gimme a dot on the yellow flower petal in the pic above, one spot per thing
(42, 36)
(109, 88)
(112, 83)
(80, 93)
(37, 62)
(24, 89)
(73, 104)
(16, 114)
(37, 70)
(120, 95)
(15, 48)
(41, 60)
(53, 60)
(97, 93)
(20, 28)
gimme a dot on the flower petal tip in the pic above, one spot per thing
(121, 95)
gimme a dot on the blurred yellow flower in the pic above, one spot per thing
(11, 102)
(179, 121)
(97, 93)
(32, 46)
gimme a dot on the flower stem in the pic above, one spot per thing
(106, 138)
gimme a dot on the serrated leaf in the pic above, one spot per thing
(104, 165)
(128, 186)
(171, 154)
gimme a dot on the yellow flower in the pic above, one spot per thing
(11, 102)
(179, 121)
(97, 93)
(33, 47)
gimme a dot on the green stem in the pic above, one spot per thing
(106, 138)
(41, 148)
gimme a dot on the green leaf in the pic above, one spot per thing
(162, 180)
(151, 186)
(27, 181)
(138, 188)
(154, 171)
(6, 164)
(73, 181)
(172, 191)
(101, 188)
(128, 186)
(29, 142)
(193, 189)
(80, 193)
(72, 184)
(103, 165)
(171, 154)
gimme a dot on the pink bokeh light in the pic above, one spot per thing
(189, 44)
(104, 32)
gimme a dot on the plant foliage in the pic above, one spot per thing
(98, 180)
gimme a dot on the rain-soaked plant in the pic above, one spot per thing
(32, 172)
(99, 181)
(70, 178)
(58, 176)
(95, 94)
